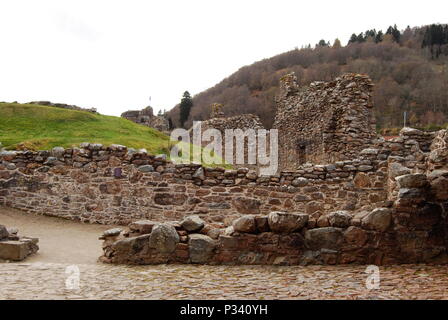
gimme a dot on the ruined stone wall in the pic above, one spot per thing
(147, 118)
(115, 185)
(411, 227)
(63, 106)
(387, 206)
(221, 123)
(326, 122)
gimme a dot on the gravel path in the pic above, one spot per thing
(67, 247)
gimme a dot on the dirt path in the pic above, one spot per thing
(60, 240)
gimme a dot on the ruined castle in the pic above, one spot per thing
(147, 118)
(344, 195)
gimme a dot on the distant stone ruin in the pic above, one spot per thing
(325, 122)
(217, 111)
(219, 122)
(147, 118)
(63, 106)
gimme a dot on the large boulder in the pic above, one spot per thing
(164, 238)
(410, 181)
(339, 219)
(324, 238)
(192, 223)
(285, 222)
(201, 248)
(245, 224)
(3, 232)
(379, 219)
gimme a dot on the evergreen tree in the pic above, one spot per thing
(323, 43)
(394, 32)
(353, 39)
(185, 106)
(360, 38)
(379, 37)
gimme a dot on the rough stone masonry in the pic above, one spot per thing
(325, 122)
(385, 203)
(15, 248)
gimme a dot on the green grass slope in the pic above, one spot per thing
(42, 128)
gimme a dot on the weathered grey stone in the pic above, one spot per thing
(408, 181)
(3, 232)
(245, 224)
(129, 246)
(285, 222)
(51, 161)
(396, 169)
(146, 168)
(370, 151)
(192, 223)
(229, 231)
(142, 226)
(13, 231)
(299, 182)
(199, 173)
(379, 219)
(324, 238)
(252, 175)
(58, 152)
(112, 232)
(414, 193)
(339, 219)
(160, 157)
(201, 248)
(439, 188)
(11, 166)
(365, 168)
(246, 205)
(13, 250)
(164, 238)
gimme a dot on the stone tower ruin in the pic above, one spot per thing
(325, 122)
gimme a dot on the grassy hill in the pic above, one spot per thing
(41, 128)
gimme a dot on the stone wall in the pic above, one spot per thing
(411, 227)
(388, 205)
(326, 122)
(63, 106)
(147, 118)
(221, 123)
(114, 185)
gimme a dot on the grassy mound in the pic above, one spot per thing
(41, 128)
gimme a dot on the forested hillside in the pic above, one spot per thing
(409, 69)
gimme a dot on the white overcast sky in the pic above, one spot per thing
(114, 55)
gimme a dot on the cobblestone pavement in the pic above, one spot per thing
(98, 281)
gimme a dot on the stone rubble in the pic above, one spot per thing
(14, 247)
(147, 118)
